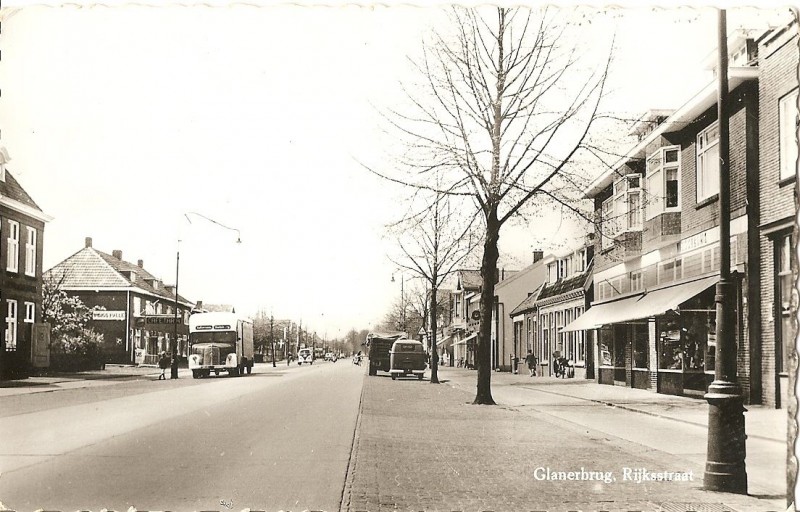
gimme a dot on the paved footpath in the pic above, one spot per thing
(426, 447)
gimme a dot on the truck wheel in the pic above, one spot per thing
(420, 376)
(234, 372)
(195, 374)
(394, 376)
(373, 370)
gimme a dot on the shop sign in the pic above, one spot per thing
(108, 315)
(158, 320)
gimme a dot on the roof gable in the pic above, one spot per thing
(87, 269)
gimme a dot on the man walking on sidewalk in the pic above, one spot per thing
(530, 360)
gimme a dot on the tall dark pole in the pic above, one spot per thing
(175, 327)
(272, 338)
(725, 460)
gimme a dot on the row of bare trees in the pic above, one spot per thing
(500, 125)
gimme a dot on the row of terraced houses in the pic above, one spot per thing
(632, 302)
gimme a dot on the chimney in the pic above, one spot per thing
(117, 254)
(537, 256)
(140, 263)
(198, 304)
(169, 287)
(88, 242)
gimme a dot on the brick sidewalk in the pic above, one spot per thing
(425, 447)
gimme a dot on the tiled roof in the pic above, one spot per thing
(528, 303)
(576, 282)
(90, 268)
(470, 279)
(13, 190)
(87, 268)
(219, 308)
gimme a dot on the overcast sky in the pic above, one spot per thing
(119, 120)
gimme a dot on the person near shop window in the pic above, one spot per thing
(531, 361)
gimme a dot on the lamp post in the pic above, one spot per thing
(725, 459)
(402, 302)
(177, 274)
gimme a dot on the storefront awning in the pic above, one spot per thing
(468, 338)
(646, 305)
(442, 341)
(601, 314)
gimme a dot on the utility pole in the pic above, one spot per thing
(272, 337)
(725, 460)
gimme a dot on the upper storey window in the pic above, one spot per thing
(788, 134)
(663, 181)
(708, 162)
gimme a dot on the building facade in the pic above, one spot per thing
(22, 225)
(464, 327)
(137, 313)
(657, 244)
(509, 292)
(777, 127)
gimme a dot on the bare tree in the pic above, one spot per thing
(503, 117)
(433, 242)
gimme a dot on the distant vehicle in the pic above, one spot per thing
(319, 352)
(305, 355)
(407, 357)
(378, 347)
(330, 356)
(218, 342)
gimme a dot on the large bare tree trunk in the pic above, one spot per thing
(434, 309)
(489, 275)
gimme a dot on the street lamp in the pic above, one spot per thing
(402, 301)
(725, 458)
(174, 347)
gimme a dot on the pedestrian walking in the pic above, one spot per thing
(163, 363)
(531, 361)
(173, 372)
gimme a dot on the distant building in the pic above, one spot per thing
(139, 320)
(21, 239)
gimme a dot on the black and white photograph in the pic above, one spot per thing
(379, 257)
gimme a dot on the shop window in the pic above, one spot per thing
(787, 111)
(606, 346)
(699, 340)
(670, 348)
(708, 162)
(640, 346)
(663, 181)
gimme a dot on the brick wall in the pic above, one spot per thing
(778, 61)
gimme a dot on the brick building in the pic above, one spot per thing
(139, 316)
(21, 237)
(777, 125)
(657, 249)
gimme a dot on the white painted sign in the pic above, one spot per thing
(108, 315)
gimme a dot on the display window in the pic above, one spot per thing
(699, 340)
(670, 345)
(640, 346)
(606, 346)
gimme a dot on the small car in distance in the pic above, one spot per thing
(407, 357)
(305, 355)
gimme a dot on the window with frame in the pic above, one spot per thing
(708, 162)
(788, 124)
(608, 223)
(580, 337)
(12, 260)
(30, 310)
(637, 281)
(784, 277)
(580, 261)
(663, 181)
(670, 271)
(11, 324)
(628, 202)
(30, 252)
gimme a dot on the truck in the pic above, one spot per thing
(379, 345)
(220, 341)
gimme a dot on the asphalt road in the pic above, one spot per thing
(277, 439)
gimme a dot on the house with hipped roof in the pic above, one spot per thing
(24, 342)
(140, 317)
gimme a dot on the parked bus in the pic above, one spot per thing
(220, 342)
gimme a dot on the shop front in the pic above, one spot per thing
(663, 340)
(153, 334)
